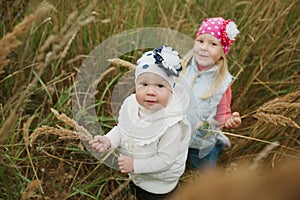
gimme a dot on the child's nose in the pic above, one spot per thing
(203, 46)
(151, 90)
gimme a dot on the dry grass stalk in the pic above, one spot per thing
(63, 117)
(253, 139)
(78, 57)
(80, 134)
(10, 41)
(61, 41)
(117, 191)
(102, 76)
(57, 42)
(268, 112)
(26, 141)
(257, 16)
(283, 102)
(276, 119)
(64, 53)
(263, 154)
(117, 62)
(61, 132)
(278, 107)
(8, 123)
(120, 62)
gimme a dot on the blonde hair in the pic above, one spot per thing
(222, 69)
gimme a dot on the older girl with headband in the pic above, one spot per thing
(208, 81)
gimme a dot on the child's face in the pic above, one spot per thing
(207, 50)
(152, 91)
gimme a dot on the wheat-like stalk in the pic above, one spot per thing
(59, 43)
(263, 154)
(116, 62)
(61, 132)
(10, 41)
(252, 138)
(277, 107)
(276, 119)
(274, 111)
(79, 132)
(120, 62)
(7, 43)
(285, 102)
(63, 117)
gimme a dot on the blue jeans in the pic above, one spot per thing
(207, 162)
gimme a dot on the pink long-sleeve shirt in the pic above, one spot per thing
(224, 110)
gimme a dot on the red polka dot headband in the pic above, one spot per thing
(224, 30)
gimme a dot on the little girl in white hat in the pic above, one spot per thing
(153, 132)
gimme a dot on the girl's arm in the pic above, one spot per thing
(114, 136)
(223, 109)
(224, 117)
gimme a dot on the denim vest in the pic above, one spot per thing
(202, 112)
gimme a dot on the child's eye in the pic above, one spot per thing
(214, 44)
(201, 41)
(143, 84)
(160, 85)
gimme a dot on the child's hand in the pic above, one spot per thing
(100, 143)
(234, 121)
(125, 164)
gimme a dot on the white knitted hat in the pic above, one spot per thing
(163, 61)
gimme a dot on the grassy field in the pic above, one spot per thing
(43, 45)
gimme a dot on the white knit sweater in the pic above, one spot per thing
(158, 141)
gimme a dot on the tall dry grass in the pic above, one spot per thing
(43, 46)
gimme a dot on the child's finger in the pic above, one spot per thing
(121, 158)
(236, 114)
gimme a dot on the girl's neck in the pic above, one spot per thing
(201, 68)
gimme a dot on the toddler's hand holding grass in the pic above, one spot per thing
(100, 143)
